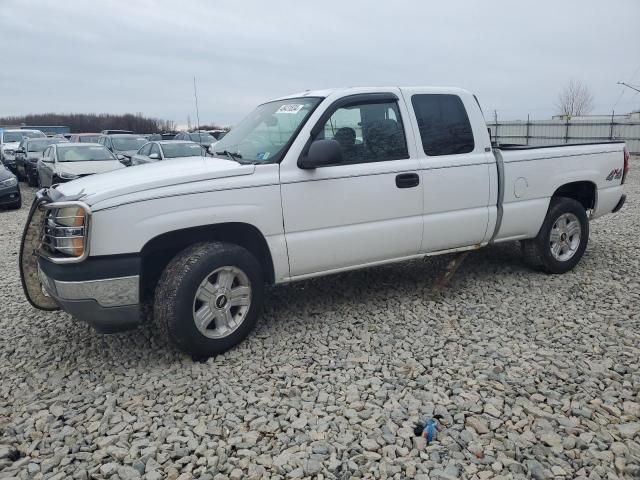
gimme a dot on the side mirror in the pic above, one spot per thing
(154, 156)
(47, 160)
(321, 154)
(120, 157)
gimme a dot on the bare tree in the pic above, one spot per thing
(575, 99)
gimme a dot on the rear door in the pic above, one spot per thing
(457, 167)
(368, 209)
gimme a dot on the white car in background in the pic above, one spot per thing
(62, 162)
(167, 150)
(10, 140)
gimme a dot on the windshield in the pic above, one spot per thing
(123, 144)
(40, 145)
(84, 154)
(263, 135)
(88, 138)
(176, 150)
(17, 136)
(202, 137)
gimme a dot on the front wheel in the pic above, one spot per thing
(209, 297)
(562, 239)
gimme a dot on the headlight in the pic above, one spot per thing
(66, 176)
(12, 182)
(65, 231)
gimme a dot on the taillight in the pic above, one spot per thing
(625, 169)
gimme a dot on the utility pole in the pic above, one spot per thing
(632, 87)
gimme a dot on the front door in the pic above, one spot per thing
(368, 208)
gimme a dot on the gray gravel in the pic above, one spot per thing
(532, 376)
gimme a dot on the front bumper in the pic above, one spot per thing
(9, 195)
(108, 304)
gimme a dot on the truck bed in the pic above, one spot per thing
(530, 176)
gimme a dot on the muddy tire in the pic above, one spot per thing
(562, 239)
(209, 297)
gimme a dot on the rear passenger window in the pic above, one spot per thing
(443, 123)
(367, 132)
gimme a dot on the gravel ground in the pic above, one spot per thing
(532, 376)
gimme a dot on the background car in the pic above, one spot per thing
(9, 189)
(67, 161)
(115, 132)
(203, 138)
(84, 137)
(10, 140)
(167, 149)
(162, 136)
(123, 146)
(217, 134)
(27, 155)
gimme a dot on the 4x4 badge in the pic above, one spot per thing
(614, 174)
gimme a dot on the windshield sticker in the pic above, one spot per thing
(290, 108)
(262, 155)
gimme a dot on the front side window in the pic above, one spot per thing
(79, 153)
(367, 132)
(263, 136)
(155, 149)
(443, 123)
(146, 150)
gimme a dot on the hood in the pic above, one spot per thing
(149, 176)
(88, 168)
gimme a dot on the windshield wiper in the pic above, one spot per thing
(236, 157)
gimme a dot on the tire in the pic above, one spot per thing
(202, 271)
(567, 221)
(31, 181)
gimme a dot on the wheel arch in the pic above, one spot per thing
(158, 251)
(583, 191)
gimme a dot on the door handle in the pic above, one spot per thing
(407, 180)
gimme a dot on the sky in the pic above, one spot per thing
(141, 56)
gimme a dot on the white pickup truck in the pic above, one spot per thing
(307, 185)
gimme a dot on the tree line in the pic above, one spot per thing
(92, 122)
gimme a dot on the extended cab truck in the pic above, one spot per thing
(307, 185)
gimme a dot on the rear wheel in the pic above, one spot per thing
(209, 297)
(562, 239)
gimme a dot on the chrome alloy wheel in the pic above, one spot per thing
(564, 239)
(222, 302)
